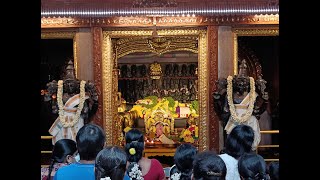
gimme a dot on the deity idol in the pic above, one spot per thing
(75, 101)
(237, 101)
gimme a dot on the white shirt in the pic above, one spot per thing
(232, 167)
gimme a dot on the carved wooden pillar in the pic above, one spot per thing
(213, 76)
(97, 59)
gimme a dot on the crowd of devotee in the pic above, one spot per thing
(88, 158)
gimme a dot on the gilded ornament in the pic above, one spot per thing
(109, 85)
(155, 70)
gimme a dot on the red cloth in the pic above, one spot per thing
(156, 171)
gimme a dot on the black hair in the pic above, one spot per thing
(110, 162)
(239, 141)
(90, 141)
(208, 165)
(61, 150)
(274, 170)
(183, 159)
(252, 166)
(134, 140)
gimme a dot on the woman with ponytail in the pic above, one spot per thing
(63, 154)
(140, 168)
(252, 167)
(110, 164)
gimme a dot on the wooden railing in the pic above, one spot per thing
(269, 145)
(45, 152)
(46, 137)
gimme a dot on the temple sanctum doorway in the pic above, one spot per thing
(145, 82)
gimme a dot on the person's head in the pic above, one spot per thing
(183, 159)
(252, 166)
(239, 141)
(90, 141)
(209, 166)
(274, 170)
(134, 145)
(63, 151)
(159, 129)
(110, 162)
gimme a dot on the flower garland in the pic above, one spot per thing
(62, 116)
(244, 117)
(175, 176)
(135, 173)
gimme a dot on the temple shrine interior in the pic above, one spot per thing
(163, 67)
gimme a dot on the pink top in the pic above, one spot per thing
(155, 172)
(45, 170)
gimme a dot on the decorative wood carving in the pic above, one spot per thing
(97, 58)
(213, 76)
(158, 45)
(53, 22)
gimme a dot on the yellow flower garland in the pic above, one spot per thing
(252, 97)
(62, 116)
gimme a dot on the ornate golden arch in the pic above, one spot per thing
(156, 45)
(112, 50)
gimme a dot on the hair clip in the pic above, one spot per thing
(211, 173)
(132, 151)
(105, 178)
(175, 176)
